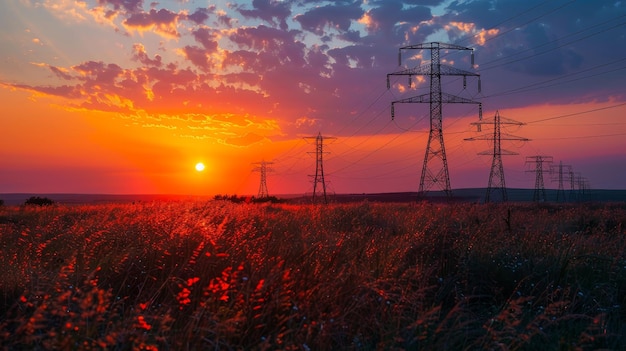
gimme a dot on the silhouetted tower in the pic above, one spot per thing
(262, 168)
(319, 183)
(435, 167)
(583, 188)
(572, 184)
(496, 176)
(538, 161)
(558, 175)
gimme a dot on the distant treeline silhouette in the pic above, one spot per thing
(247, 199)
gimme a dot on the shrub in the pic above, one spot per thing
(39, 201)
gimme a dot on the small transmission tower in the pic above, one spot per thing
(319, 183)
(262, 168)
(538, 161)
(435, 167)
(559, 171)
(572, 184)
(496, 176)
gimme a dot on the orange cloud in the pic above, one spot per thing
(462, 26)
(483, 35)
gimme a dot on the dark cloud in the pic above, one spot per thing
(338, 16)
(139, 54)
(198, 56)
(67, 91)
(199, 16)
(423, 2)
(205, 37)
(544, 60)
(273, 47)
(99, 72)
(385, 17)
(164, 20)
(271, 11)
(363, 56)
(61, 73)
(128, 5)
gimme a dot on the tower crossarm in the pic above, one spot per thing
(424, 70)
(445, 98)
(502, 137)
(434, 45)
(502, 152)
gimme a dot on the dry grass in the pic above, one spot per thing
(216, 275)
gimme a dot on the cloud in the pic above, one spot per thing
(247, 139)
(163, 22)
(547, 60)
(199, 16)
(139, 54)
(206, 37)
(337, 16)
(271, 11)
(266, 48)
(67, 91)
(385, 17)
(197, 56)
(61, 72)
(131, 6)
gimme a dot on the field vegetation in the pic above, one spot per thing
(365, 276)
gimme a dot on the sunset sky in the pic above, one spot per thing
(127, 96)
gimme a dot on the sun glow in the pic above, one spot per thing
(199, 166)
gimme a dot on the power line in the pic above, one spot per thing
(530, 86)
(483, 68)
(577, 113)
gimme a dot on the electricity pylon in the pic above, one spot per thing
(572, 184)
(435, 167)
(583, 187)
(538, 161)
(319, 183)
(496, 175)
(262, 168)
(558, 170)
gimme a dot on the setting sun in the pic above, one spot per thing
(199, 166)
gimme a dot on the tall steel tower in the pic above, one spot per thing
(319, 183)
(435, 167)
(538, 161)
(262, 168)
(496, 176)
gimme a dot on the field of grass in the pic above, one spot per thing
(365, 276)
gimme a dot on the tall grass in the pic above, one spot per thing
(216, 275)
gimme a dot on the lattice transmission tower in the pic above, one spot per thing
(558, 174)
(583, 188)
(496, 175)
(435, 167)
(262, 168)
(572, 184)
(540, 190)
(319, 183)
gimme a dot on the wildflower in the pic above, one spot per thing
(141, 323)
(192, 281)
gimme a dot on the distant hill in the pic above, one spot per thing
(459, 195)
(20, 198)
